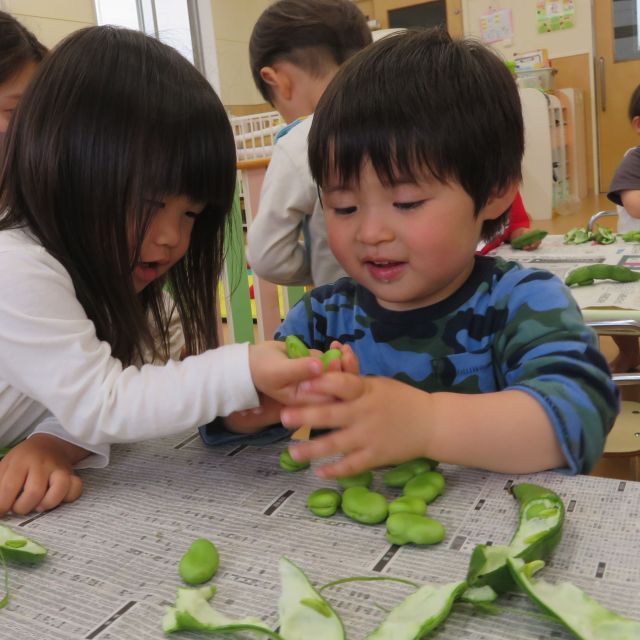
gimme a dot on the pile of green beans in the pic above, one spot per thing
(406, 516)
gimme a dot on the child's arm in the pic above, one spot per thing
(274, 246)
(381, 421)
(631, 202)
(552, 393)
(38, 474)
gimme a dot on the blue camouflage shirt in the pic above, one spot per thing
(507, 327)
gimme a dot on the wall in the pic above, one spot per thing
(52, 21)
(571, 50)
(232, 29)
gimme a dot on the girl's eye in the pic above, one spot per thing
(191, 214)
(344, 211)
(408, 206)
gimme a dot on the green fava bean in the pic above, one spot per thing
(400, 475)
(295, 347)
(363, 479)
(408, 504)
(404, 528)
(428, 486)
(200, 562)
(323, 502)
(287, 463)
(362, 505)
(329, 356)
(535, 235)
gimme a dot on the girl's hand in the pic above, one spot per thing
(277, 376)
(378, 421)
(256, 419)
(38, 474)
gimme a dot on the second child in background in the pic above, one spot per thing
(462, 358)
(518, 224)
(295, 49)
(624, 191)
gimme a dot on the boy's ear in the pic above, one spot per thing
(278, 80)
(500, 201)
(635, 123)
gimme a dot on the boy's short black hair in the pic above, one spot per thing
(422, 100)
(312, 34)
(634, 103)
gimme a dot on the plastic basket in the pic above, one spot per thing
(542, 79)
(255, 134)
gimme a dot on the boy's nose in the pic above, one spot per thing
(373, 230)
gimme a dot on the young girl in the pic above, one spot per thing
(20, 53)
(118, 176)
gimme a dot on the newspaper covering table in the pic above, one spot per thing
(113, 555)
(604, 300)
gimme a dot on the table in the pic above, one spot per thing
(113, 555)
(600, 302)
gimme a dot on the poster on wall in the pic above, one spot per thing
(555, 15)
(496, 26)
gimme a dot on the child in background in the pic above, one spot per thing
(624, 191)
(119, 172)
(20, 53)
(417, 147)
(518, 224)
(295, 49)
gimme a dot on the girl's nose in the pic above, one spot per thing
(166, 229)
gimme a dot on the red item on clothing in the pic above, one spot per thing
(518, 219)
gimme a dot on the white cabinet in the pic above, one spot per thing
(545, 173)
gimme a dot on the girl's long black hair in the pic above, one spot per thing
(112, 119)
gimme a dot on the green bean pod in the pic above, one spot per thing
(530, 237)
(582, 615)
(586, 275)
(538, 533)
(20, 548)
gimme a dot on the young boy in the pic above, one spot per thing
(416, 146)
(625, 192)
(295, 50)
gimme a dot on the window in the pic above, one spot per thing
(167, 20)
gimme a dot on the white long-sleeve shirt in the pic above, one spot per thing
(52, 363)
(289, 197)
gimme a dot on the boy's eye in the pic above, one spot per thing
(344, 211)
(407, 206)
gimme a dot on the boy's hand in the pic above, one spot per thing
(38, 474)
(379, 421)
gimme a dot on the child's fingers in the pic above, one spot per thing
(75, 488)
(339, 384)
(351, 464)
(34, 489)
(11, 484)
(339, 442)
(59, 484)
